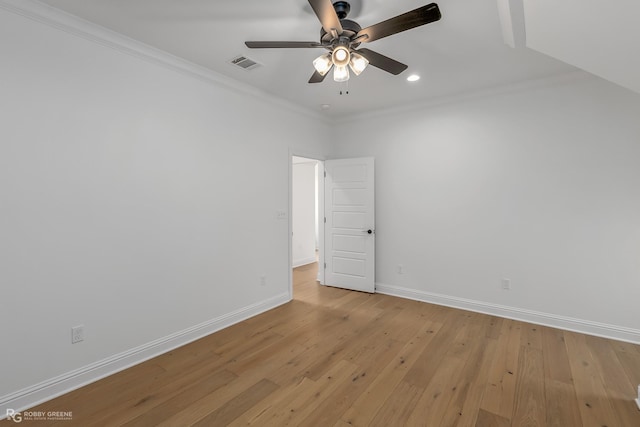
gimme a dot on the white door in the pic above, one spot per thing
(350, 227)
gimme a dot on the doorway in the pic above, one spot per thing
(341, 237)
(307, 213)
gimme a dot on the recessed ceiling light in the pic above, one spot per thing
(325, 106)
(413, 78)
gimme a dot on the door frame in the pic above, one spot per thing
(319, 207)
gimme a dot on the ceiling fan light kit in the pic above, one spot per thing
(338, 60)
(342, 37)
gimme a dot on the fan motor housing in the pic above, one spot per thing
(350, 29)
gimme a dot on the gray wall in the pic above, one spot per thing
(538, 185)
(134, 201)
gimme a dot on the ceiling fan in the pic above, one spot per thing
(342, 36)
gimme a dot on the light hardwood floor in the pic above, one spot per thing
(337, 358)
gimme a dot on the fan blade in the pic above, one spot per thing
(384, 63)
(327, 15)
(275, 45)
(317, 78)
(417, 17)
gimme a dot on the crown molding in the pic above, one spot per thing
(489, 92)
(71, 24)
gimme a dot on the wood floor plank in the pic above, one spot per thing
(561, 400)
(332, 357)
(500, 393)
(297, 402)
(530, 404)
(463, 409)
(253, 326)
(561, 404)
(244, 347)
(240, 404)
(124, 385)
(152, 410)
(364, 409)
(595, 408)
(620, 391)
(531, 336)
(408, 321)
(447, 382)
(488, 419)
(344, 396)
(324, 345)
(556, 360)
(423, 370)
(362, 331)
(625, 347)
(631, 364)
(494, 325)
(297, 366)
(201, 408)
(302, 335)
(398, 407)
(292, 317)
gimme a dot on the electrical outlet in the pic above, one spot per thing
(263, 280)
(77, 334)
(506, 284)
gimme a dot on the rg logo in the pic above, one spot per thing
(14, 416)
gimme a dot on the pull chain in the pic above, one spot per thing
(346, 91)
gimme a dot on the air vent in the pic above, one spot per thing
(244, 63)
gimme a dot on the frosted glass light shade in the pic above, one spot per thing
(341, 74)
(323, 64)
(358, 63)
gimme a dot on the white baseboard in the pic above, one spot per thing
(303, 261)
(588, 327)
(54, 387)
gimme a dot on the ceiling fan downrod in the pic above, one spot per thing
(342, 9)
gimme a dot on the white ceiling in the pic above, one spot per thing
(462, 52)
(602, 38)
